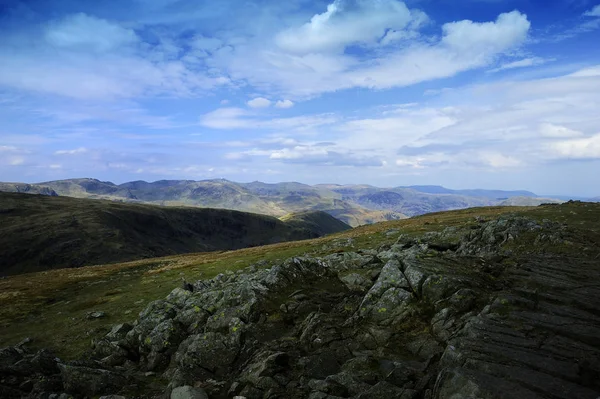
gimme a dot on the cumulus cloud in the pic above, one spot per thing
(348, 22)
(259, 102)
(522, 124)
(583, 148)
(299, 69)
(284, 104)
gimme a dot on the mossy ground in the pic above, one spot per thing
(51, 306)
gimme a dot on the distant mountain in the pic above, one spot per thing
(41, 232)
(269, 199)
(353, 204)
(27, 189)
(492, 194)
(406, 200)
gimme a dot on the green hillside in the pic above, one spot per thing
(43, 232)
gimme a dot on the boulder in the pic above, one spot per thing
(356, 282)
(188, 392)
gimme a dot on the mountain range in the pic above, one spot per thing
(353, 204)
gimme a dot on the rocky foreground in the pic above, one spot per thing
(493, 311)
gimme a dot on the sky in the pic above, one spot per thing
(498, 94)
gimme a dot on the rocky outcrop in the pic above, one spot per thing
(454, 314)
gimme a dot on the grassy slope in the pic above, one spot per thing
(41, 232)
(320, 222)
(51, 306)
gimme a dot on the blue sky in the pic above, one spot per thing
(488, 93)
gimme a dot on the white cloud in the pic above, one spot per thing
(499, 160)
(311, 154)
(85, 57)
(316, 67)
(412, 162)
(88, 32)
(557, 131)
(259, 102)
(593, 71)
(487, 38)
(594, 12)
(80, 150)
(583, 148)
(298, 152)
(226, 118)
(284, 104)
(524, 63)
(16, 161)
(238, 118)
(502, 125)
(8, 148)
(348, 22)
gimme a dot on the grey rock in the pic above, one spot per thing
(45, 362)
(89, 381)
(356, 282)
(329, 387)
(119, 332)
(385, 390)
(346, 380)
(179, 296)
(95, 315)
(210, 351)
(188, 392)
(388, 300)
(8, 357)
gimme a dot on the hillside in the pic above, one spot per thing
(44, 232)
(316, 222)
(495, 302)
(27, 189)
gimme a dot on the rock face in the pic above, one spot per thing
(455, 314)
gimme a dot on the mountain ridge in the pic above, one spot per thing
(355, 205)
